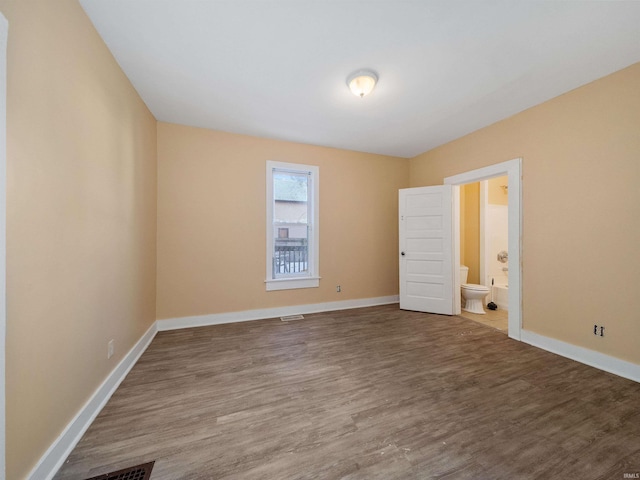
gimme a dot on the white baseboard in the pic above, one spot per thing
(59, 450)
(592, 358)
(248, 315)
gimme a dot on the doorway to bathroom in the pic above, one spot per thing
(497, 191)
(484, 245)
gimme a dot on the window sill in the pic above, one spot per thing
(291, 283)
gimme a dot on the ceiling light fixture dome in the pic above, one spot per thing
(361, 83)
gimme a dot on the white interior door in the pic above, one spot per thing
(426, 246)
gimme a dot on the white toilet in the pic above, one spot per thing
(472, 294)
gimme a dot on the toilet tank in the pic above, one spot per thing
(464, 273)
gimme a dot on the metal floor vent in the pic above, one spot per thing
(139, 472)
(289, 318)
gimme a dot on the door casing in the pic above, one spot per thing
(4, 31)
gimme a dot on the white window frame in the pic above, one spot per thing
(311, 278)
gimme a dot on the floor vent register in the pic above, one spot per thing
(139, 472)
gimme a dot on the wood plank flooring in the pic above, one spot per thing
(372, 393)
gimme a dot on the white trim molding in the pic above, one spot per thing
(266, 313)
(598, 360)
(292, 283)
(60, 449)
(4, 31)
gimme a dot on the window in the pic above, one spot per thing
(292, 226)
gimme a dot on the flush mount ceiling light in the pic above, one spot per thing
(361, 83)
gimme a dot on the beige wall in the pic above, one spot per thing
(81, 209)
(470, 230)
(581, 205)
(211, 222)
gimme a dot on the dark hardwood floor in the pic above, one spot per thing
(372, 393)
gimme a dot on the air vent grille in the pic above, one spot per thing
(139, 472)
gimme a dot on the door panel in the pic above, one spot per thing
(426, 245)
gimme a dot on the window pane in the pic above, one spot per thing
(290, 197)
(291, 250)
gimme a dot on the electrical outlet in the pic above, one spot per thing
(338, 289)
(110, 349)
(598, 330)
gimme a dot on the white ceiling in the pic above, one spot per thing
(277, 68)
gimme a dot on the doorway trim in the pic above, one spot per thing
(484, 194)
(4, 31)
(513, 169)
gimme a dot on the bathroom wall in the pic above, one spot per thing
(496, 194)
(81, 221)
(497, 240)
(496, 230)
(470, 229)
(581, 205)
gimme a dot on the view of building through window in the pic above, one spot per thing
(290, 223)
